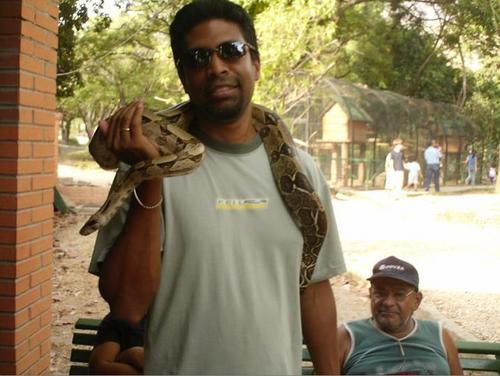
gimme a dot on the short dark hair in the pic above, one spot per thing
(199, 11)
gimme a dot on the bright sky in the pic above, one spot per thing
(109, 7)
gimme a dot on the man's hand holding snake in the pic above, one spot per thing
(124, 136)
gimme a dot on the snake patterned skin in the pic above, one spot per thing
(181, 153)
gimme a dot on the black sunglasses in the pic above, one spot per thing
(197, 58)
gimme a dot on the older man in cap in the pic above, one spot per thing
(392, 341)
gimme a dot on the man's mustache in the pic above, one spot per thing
(222, 82)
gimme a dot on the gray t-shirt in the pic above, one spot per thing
(228, 301)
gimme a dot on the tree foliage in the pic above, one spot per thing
(415, 48)
(483, 105)
(72, 17)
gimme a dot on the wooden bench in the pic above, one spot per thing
(84, 338)
(474, 356)
(479, 356)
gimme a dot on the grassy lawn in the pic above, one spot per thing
(77, 156)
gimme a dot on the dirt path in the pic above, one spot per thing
(75, 292)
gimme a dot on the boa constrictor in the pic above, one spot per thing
(181, 153)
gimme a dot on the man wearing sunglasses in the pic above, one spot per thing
(392, 342)
(216, 267)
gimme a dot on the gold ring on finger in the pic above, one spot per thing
(126, 129)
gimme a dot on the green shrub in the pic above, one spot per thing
(73, 141)
(79, 158)
(79, 155)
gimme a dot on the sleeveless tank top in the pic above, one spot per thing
(374, 352)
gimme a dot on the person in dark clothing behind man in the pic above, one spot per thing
(119, 348)
(392, 342)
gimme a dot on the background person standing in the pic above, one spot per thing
(471, 163)
(413, 168)
(432, 156)
(388, 172)
(397, 166)
(390, 176)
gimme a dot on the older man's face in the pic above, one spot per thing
(392, 304)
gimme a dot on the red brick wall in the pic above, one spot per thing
(28, 42)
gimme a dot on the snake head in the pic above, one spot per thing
(97, 148)
(89, 227)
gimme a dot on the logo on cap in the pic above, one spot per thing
(393, 267)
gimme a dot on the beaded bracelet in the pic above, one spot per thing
(147, 206)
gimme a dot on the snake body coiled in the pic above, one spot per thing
(181, 153)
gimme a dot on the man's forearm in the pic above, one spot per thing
(319, 326)
(131, 272)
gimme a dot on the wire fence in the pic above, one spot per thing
(369, 173)
(352, 151)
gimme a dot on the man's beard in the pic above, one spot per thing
(226, 112)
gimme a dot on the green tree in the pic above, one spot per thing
(416, 48)
(120, 63)
(72, 17)
(483, 106)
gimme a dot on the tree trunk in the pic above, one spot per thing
(66, 130)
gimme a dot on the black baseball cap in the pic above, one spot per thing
(392, 267)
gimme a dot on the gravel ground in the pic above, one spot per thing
(476, 313)
(75, 292)
(453, 241)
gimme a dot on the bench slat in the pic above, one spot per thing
(306, 357)
(88, 339)
(469, 364)
(88, 324)
(79, 355)
(468, 347)
(78, 370)
(307, 370)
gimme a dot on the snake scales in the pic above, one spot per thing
(181, 153)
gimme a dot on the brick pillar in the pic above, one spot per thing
(28, 42)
